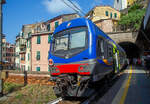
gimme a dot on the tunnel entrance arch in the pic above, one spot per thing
(131, 49)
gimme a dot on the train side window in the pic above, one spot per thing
(100, 48)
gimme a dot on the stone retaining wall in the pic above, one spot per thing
(27, 77)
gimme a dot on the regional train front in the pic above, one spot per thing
(71, 57)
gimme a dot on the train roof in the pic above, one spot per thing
(79, 22)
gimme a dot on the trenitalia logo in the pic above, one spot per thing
(68, 24)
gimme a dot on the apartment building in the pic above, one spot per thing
(105, 17)
(54, 22)
(28, 30)
(40, 44)
(8, 54)
(103, 12)
(23, 49)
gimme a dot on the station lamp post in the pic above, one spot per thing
(1, 34)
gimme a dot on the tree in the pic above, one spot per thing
(133, 19)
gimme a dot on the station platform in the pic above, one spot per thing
(133, 87)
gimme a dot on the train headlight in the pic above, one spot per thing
(83, 68)
(51, 63)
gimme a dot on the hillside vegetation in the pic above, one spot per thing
(132, 20)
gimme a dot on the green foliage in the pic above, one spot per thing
(133, 19)
(10, 87)
(19, 95)
(30, 94)
(134, 7)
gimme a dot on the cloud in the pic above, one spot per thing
(58, 6)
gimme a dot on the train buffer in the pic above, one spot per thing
(133, 87)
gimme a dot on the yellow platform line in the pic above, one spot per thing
(122, 100)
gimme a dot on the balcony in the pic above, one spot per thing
(22, 45)
(22, 42)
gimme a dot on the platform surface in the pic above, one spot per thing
(133, 87)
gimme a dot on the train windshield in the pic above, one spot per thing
(69, 41)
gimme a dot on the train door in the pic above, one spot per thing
(110, 54)
(115, 59)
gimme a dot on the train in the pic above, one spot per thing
(80, 56)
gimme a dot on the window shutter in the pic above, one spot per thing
(49, 38)
(106, 13)
(48, 27)
(38, 55)
(115, 15)
(110, 15)
(37, 68)
(56, 24)
(38, 39)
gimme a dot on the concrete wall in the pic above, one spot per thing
(123, 37)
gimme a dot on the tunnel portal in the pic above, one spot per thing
(131, 49)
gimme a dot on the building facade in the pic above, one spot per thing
(105, 17)
(122, 4)
(17, 53)
(28, 30)
(54, 22)
(40, 44)
(8, 54)
(33, 43)
(107, 25)
(103, 12)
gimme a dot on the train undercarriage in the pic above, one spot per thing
(72, 85)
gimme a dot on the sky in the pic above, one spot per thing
(20, 12)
